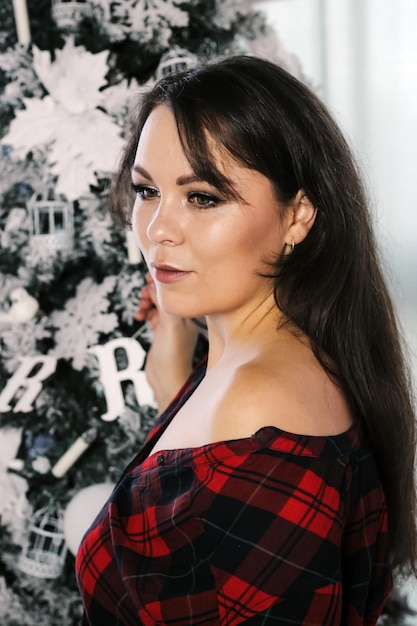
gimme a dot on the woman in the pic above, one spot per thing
(261, 495)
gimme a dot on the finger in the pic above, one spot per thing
(151, 290)
(145, 306)
(144, 310)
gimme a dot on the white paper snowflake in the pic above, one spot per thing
(146, 21)
(22, 340)
(118, 100)
(97, 225)
(228, 11)
(27, 172)
(128, 289)
(82, 139)
(13, 504)
(17, 65)
(85, 318)
(73, 80)
(15, 232)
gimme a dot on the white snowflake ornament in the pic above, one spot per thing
(81, 138)
(85, 318)
(73, 80)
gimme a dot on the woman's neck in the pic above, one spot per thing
(243, 335)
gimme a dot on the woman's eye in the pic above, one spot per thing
(203, 200)
(144, 192)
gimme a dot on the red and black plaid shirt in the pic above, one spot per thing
(276, 528)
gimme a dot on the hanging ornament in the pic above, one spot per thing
(44, 551)
(74, 452)
(23, 308)
(175, 60)
(68, 15)
(52, 223)
(81, 512)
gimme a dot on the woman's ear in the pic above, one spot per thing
(301, 218)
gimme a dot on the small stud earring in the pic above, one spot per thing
(289, 247)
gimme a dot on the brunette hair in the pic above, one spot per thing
(331, 286)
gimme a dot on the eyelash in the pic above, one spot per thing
(210, 199)
(142, 190)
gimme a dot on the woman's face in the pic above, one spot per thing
(204, 251)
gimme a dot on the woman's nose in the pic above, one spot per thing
(164, 226)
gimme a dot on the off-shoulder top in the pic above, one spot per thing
(273, 529)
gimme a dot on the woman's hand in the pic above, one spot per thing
(169, 360)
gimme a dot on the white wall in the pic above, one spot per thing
(361, 56)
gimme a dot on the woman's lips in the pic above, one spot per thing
(168, 274)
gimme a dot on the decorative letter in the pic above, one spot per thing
(31, 383)
(111, 376)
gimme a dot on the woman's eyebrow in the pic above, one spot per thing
(190, 178)
(181, 180)
(140, 170)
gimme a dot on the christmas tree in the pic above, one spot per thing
(74, 402)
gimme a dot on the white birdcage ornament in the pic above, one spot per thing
(52, 222)
(175, 60)
(44, 551)
(68, 13)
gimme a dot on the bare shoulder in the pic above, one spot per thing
(299, 398)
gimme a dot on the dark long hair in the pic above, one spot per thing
(331, 286)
